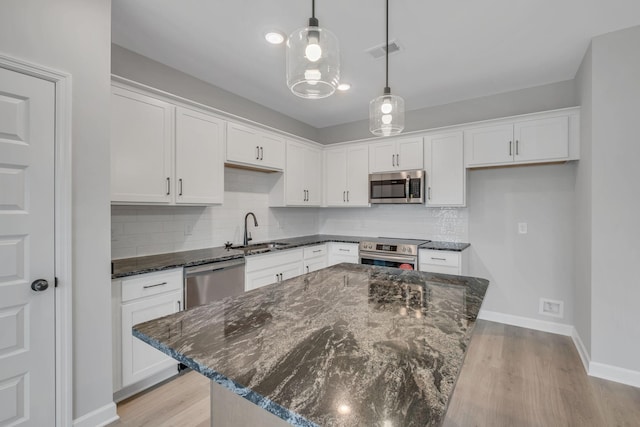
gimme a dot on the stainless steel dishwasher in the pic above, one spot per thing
(211, 282)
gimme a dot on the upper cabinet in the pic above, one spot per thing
(303, 175)
(444, 166)
(347, 176)
(199, 158)
(396, 154)
(250, 147)
(539, 140)
(163, 154)
(141, 148)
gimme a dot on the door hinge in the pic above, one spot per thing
(55, 282)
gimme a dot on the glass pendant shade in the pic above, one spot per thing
(313, 62)
(386, 115)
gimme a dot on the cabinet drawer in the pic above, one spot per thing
(443, 269)
(259, 262)
(314, 251)
(151, 284)
(441, 258)
(344, 249)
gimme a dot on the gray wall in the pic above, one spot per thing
(133, 66)
(615, 177)
(531, 100)
(523, 268)
(583, 203)
(75, 36)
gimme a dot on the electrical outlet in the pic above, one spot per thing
(522, 228)
(549, 307)
(188, 229)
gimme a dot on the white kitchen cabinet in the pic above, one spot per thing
(303, 175)
(138, 299)
(141, 148)
(396, 155)
(525, 141)
(444, 166)
(315, 258)
(199, 158)
(251, 147)
(446, 262)
(343, 252)
(347, 176)
(265, 269)
(163, 154)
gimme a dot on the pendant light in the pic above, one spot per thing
(313, 60)
(386, 112)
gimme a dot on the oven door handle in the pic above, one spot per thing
(381, 257)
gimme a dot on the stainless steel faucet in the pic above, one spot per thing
(247, 236)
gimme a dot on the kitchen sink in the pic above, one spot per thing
(261, 246)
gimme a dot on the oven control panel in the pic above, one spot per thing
(388, 248)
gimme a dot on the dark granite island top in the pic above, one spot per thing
(349, 345)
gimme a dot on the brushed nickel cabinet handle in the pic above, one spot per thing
(397, 159)
(343, 196)
(511, 148)
(429, 193)
(153, 286)
(179, 306)
(393, 160)
(347, 196)
(180, 185)
(517, 150)
(261, 153)
(439, 259)
(168, 186)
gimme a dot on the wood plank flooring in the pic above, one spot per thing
(511, 377)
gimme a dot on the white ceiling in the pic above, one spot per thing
(452, 50)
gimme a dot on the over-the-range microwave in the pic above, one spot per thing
(397, 187)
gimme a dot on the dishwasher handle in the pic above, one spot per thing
(212, 266)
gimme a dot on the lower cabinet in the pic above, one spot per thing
(138, 299)
(446, 262)
(265, 269)
(315, 258)
(343, 252)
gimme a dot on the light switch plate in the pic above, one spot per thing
(522, 228)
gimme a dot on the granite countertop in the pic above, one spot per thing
(343, 346)
(147, 264)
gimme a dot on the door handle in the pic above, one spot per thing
(180, 185)
(39, 285)
(168, 186)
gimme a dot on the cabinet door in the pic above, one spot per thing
(272, 151)
(444, 165)
(289, 271)
(542, 140)
(489, 145)
(199, 158)
(336, 176)
(315, 264)
(313, 176)
(382, 157)
(141, 148)
(140, 360)
(295, 174)
(243, 144)
(260, 278)
(409, 154)
(358, 176)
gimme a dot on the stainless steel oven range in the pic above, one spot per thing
(388, 252)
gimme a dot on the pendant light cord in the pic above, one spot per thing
(313, 8)
(387, 48)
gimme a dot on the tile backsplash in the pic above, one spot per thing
(149, 230)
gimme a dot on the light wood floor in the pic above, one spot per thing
(511, 377)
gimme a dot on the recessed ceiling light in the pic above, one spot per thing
(344, 87)
(274, 37)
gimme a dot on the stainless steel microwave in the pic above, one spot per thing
(397, 187)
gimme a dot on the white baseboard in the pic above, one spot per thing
(527, 322)
(98, 418)
(613, 373)
(582, 349)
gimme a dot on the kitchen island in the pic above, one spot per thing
(349, 345)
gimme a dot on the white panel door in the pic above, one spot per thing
(295, 174)
(243, 144)
(199, 158)
(358, 176)
(336, 176)
(141, 148)
(272, 151)
(489, 145)
(382, 157)
(444, 164)
(27, 346)
(541, 140)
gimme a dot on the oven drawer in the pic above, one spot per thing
(440, 258)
